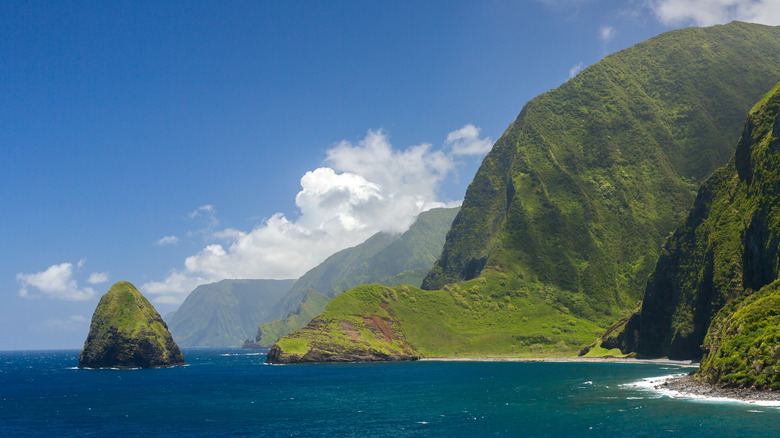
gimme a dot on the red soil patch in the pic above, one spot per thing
(350, 330)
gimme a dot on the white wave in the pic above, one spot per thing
(655, 384)
(242, 354)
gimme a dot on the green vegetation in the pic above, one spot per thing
(727, 246)
(313, 304)
(126, 331)
(744, 342)
(225, 313)
(491, 316)
(384, 259)
(570, 208)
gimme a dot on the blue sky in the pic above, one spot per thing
(177, 143)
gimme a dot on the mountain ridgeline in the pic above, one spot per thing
(565, 218)
(583, 187)
(384, 259)
(726, 248)
(225, 313)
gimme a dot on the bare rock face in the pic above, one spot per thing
(127, 332)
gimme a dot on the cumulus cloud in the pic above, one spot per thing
(97, 277)
(709, 12)
(466, 141)
(168, 240)
(575, 69)
(361, 189)
(70, 324)
(56, 282)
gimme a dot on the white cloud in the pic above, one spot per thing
(709, 12)
(70, 324)
(466, 141)
(575, 69)
(606, 33)
(97, 277)
(168, 240)
(56, 282)
(362, 189)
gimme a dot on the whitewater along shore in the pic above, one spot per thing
(688, 386)
(564, 359)
(674, 386)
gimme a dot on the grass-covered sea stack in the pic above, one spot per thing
(127, 332)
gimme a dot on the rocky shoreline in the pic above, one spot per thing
(687, 385)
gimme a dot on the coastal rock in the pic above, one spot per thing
(127, 332)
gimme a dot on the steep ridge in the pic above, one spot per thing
(566, 216)
(225, 313)
(312, 304)
(727, 247)
(582, 188)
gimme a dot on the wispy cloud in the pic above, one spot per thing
(167, 240)
(363, 188)
(56, 282)
(606, 33)
(709, 12)
(575, 69)
(97, 277)
(466, 141)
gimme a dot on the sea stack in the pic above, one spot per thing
(127, 332)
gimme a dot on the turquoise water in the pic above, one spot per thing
(233, 393)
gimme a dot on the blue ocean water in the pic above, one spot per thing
(233, 393)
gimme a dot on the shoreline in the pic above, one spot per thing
(630, 360)
(687, 387)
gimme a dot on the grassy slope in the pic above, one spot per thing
(571, 206)
(225, 313)
(313, 304)
(493, 315)
(322, 277)
(404, 259)
(728, 244)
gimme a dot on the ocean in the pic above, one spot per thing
(230, 392)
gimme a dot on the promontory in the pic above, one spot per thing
(127, 332)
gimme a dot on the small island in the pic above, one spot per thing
(127, 332)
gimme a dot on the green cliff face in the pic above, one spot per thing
(726, 248)
(743, 342)
(225, 313)
(565, 218)
(583, 187)
(127, 332)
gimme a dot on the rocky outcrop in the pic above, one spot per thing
(127, 332)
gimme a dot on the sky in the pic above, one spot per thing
(172, 144)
